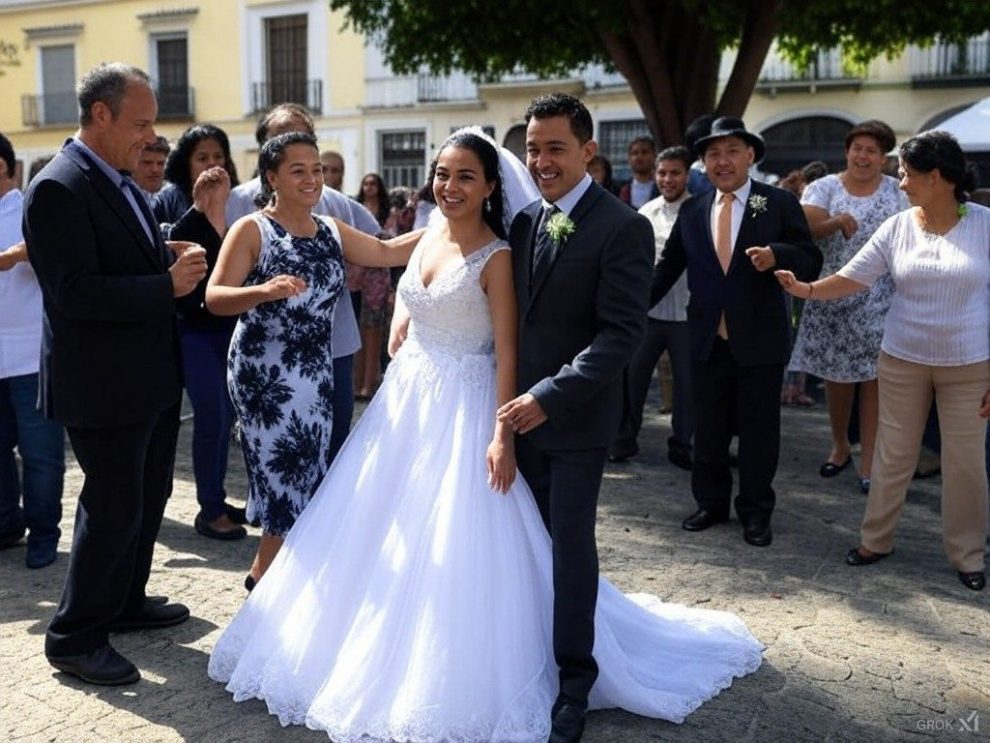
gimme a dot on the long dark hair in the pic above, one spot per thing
(177, 167)
(488, 156)
(938, 149)
(272, 155)
(381, 214)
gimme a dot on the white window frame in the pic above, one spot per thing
(254, 52)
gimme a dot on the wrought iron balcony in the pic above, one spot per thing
(49, 108)
(959, 65)
(308, 93)
(826, 71)
(176, 102)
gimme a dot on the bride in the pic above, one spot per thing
(412, 600)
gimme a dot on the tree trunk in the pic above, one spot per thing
(671, 61)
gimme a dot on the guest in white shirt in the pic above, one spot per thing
(39, 441)
(666, 327)
(936, 341)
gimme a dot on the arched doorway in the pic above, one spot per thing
(795, 143)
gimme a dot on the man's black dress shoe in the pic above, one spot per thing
(680, 458)
(567, 724)
(235, 514)
(156, 599)
(974, 581)
(702, 519)
(151, 616)
(622, 452)
(831, 469)
(757, 532)
(203, 527)
(104, 666)
(856, 558)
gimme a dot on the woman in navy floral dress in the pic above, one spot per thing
(282, 270)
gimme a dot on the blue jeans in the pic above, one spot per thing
(41, 444)
(343, 402)
(204, 364)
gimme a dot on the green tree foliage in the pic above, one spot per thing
(668, 50)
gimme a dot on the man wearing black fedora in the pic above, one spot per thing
(729, 240)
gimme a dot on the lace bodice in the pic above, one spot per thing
(451, 314)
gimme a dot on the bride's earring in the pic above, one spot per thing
(488, 205)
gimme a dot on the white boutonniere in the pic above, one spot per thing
(559, 228)
(758, 204)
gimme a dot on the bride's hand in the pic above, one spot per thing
(501, 459)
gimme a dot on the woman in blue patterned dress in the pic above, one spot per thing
(282, 270)
(840, 341)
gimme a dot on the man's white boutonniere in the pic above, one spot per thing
(758, 204)
(559, 228)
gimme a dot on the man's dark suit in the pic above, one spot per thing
(110, 373)
(737, 383)
(579, 322)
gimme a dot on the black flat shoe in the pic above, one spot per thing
(151, 616)
(104, 667)
(235, 514)
(702, 519)
(250, 582)
(203, 527)
(567, 723)
(757, 532)
(856, 558)
(831, 469)
(974, 581)
(864, 485)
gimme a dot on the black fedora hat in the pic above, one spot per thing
(730, 126)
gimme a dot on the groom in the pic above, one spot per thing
(582, 263)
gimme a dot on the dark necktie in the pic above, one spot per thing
(146, 217)
(544, 248)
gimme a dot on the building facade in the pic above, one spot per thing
(225, 61)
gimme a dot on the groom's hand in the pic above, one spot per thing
(522, 413)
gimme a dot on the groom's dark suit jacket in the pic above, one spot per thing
(753, 302)
(582, 318)
(110, 354)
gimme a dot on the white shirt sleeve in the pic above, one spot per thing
(873, 260)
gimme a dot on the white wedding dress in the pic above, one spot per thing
(410, 602)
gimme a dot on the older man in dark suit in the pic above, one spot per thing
(581, 262)
(729, 240)
(110, 365)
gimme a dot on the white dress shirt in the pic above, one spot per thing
(20, 299)
(662, 215)
(569, 200)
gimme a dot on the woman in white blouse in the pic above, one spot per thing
(936, 341)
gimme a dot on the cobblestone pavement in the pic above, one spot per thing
(898, 651)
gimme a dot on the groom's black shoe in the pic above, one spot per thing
(566, 722)
(103, 666)
(151, 616)
(703, 518)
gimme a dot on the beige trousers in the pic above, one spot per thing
(906, 392)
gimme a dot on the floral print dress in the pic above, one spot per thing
(839, 340)
(280, 374)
